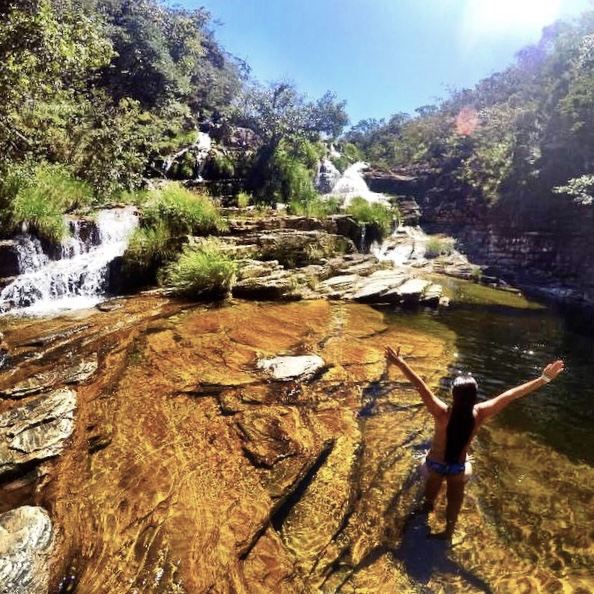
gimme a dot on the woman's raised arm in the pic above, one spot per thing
(491, 407)
(434, 405)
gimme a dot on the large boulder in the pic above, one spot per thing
(9, 258)
(36, 431)
(26, 544)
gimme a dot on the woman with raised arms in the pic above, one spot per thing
(455, 428)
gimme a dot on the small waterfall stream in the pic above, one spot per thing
(79, 278)
(352, 185)
(405, 246)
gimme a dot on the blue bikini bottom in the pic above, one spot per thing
(445, 469)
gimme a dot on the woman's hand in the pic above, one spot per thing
(552, 370)
(393, 356)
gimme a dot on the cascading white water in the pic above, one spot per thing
(78, 279)
(405, 245)
(352, 185)
(30, 254)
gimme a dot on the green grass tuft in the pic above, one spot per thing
(40, 197)
(202, 271)
(182, 211)
(439, 246)
(365, 212)
(315, 207)
(244, 199)
(150, 246)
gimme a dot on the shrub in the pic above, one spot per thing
(40, 197)
(244, 199)
(202, 271)
(282, 177)
(134, 197)
(182, 211)
(150, 247)
(315, 207)
(379, 214)
(219, 166)
(439, 246)
(349, 154)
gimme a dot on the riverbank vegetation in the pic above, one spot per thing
(204, 270)
(37, 197)
(521, 140)
(439, 246)
(384, 217)
(115, 93)
(167, 216)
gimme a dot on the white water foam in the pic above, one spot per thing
(78, 279)
(352, 185)
(405, 245)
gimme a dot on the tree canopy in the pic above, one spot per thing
(520, 135)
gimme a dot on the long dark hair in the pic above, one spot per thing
(461, 421)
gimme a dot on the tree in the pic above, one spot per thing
(48, 53)
(158, 50)
(280, 112)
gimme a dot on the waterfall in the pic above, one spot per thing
(30, 254)
(404, 246)
(352, 185)
(201, 147)
(79, 278)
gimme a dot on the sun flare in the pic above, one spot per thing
(497, 16)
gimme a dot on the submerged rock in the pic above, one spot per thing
(288, 368)
(26, 543)
(76, 373)
(37, 430)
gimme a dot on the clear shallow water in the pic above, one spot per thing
(531, 503)
(503, 345)
(170, 485)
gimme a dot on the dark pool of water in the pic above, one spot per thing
(505, 345)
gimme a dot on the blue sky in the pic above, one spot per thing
(382, 56)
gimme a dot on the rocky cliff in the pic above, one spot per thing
(543, 247)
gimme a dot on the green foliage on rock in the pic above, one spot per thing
(168, 215)
(183, 212)
(439, 246)
(39, 197)
(202, 271)
(315, 207)
(349, 154)
(287, 175)
(150, 247)
(244, 199)
(290, 129)
(379, 214)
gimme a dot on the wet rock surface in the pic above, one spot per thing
(26, 543)
(37, 430)
(190, 470)
(74, 373)
(9, 259)
(287, 368)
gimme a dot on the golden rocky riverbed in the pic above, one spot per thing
(190, 471)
